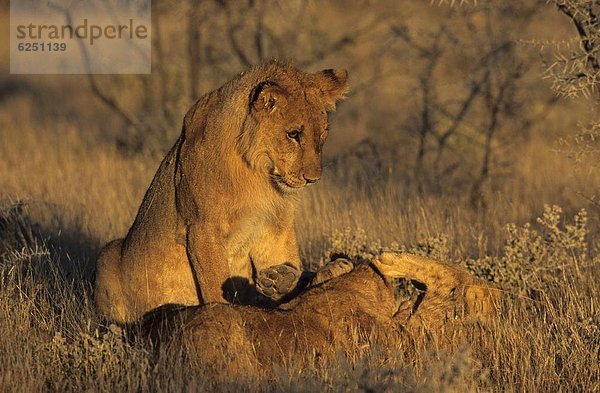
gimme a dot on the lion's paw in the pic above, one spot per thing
(333, 269)
(277, 281)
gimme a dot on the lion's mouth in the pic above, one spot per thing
(286, 185)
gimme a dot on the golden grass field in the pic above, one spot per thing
(67, 187)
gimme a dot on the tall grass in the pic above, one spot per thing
(63, 196)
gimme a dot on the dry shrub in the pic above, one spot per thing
(538, 259)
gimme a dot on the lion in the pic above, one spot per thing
(221, 205)
(343, 302)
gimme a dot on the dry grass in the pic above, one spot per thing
(65, 190)
(78, 194)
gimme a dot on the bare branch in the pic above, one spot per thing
(129, 118)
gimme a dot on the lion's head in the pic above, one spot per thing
(287, 124)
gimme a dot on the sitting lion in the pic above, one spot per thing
(342, 301)
(221, 205)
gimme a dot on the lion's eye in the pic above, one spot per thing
(295, 135)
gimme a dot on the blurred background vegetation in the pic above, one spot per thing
(447, 99)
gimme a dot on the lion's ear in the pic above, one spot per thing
(268, 97)
(333, 85)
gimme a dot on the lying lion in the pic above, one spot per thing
(342, 301)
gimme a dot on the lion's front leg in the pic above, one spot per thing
(208, 258)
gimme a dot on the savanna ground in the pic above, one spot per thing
(453, 144)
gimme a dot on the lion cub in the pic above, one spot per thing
(342, 303)
(221, 205)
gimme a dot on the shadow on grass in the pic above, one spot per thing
(36, 242)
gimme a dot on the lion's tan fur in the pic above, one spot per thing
(221, 204)
(452, 292)
(331, 315)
